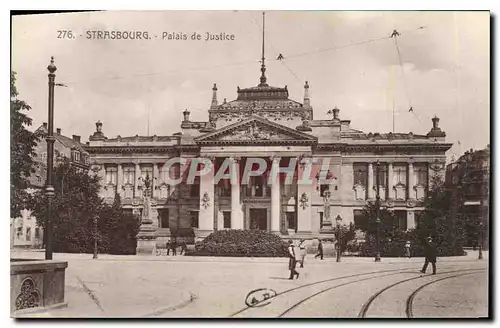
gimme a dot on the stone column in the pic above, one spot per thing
(236, 215)
(390, 178)
(411, 181)
(370, 181)
(137, 181)
(207, 194)
(410, 220)
(119, 180)
(304, 194)
(275, 196)
(156, 181)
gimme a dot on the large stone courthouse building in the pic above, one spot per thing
(264, 122)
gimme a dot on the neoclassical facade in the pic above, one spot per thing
(263, 122)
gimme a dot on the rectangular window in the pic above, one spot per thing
(194, 219)
(399, 172)
(291, 219)
(227, 219)
(358, 218)
(382, 175)
(320, 219)
(128, 175)
(224, 188)
(421, 173)
(37, 233)
(360, 174)
(111, 173)
(76, 156)
(147, 170)
(194, 190)
(28, 234)
(401, 220)
(164, 218)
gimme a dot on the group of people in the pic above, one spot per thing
(172, 246)
(298, 254)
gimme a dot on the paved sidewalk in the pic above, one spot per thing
(184, 286)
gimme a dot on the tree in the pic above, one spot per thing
(117, 230)
(22, 150)
(76, 205)
(390, 238)
(443, 220)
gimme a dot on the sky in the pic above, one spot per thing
(348, 59)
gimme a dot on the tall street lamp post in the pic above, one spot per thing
(339, 220)
(480, 257)
(377, 206)
(95, 237)
(49, 189)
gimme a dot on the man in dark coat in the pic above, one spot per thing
(320, 249)
(430, 255)
(292, 260)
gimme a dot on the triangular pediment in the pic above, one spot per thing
(256, 130)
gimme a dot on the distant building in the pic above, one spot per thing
(470, 175)
(24, 230)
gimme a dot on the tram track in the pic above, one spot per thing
(366, 306)
(326, 281)
(410, 299)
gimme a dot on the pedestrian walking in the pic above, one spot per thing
(430, 255)
(302, 248)
(292, 262)
(408, 249)
(168, 247)
(183, 248)
(320, 249)
(173, 244)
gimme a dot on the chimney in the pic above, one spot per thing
(435, 122)
(58, 130)
(307, 102)
(214, 96)
(45, 125)
(336, 114)
(186, 115)
(76, 138)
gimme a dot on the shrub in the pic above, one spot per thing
(251, 243)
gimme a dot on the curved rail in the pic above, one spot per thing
(366, 306)
(409, 300)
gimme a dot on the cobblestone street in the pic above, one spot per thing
(160, 286)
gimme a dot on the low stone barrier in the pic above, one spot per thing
(36, 286)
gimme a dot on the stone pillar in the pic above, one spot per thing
(411, 181)
(304, 194)
(390, 178)
(137, 181)
(236, 214)
(206, 216)
(275, 196)
(119, 180)
(156, 181)
(370, 181)
(410, 220)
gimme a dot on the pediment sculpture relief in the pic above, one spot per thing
(251, 132)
